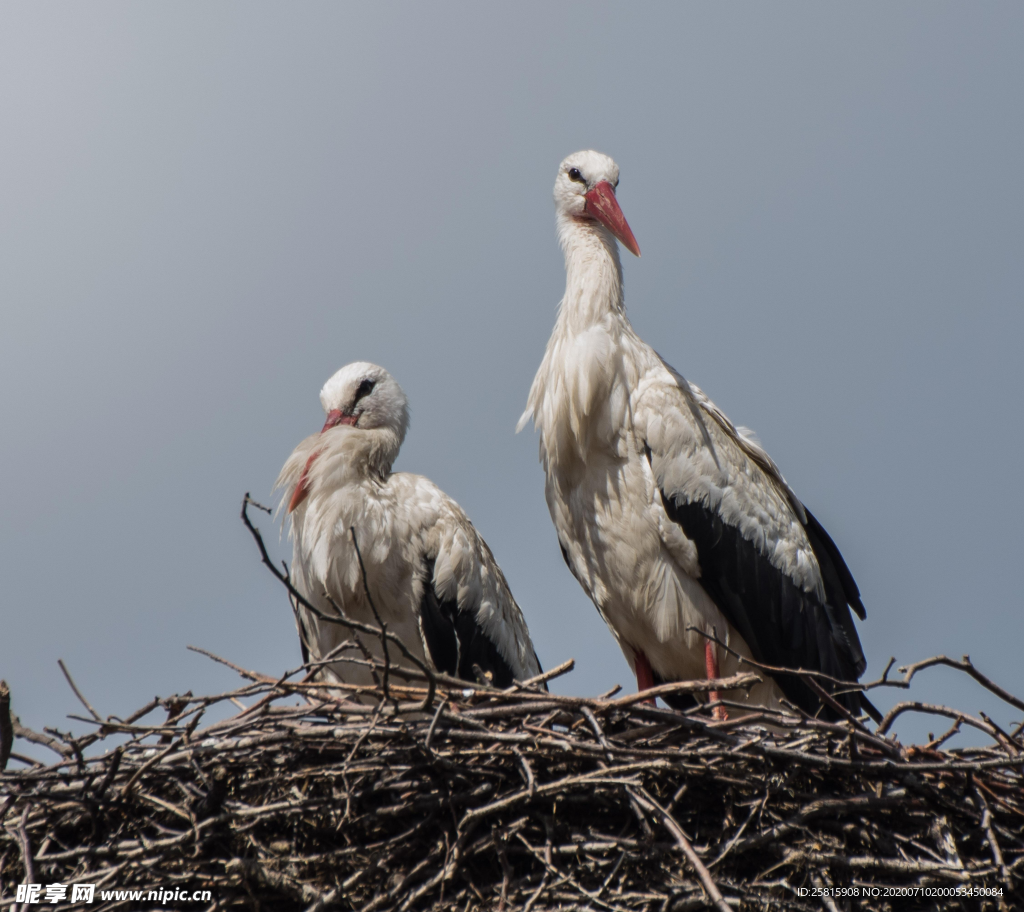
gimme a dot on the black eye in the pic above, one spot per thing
(365, 388)
(574, 175)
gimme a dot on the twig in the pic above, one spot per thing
(546, 676)
(997, 854)
(932, 709)
(26, 847)
(908, 672)
(78, 693)
(714, 894)
(21, 731)
(149, 764)
(741, 681)
(433, 723)
(827, 901)
(953, 730)
(805, 673)
(536, 893)
(244, 672)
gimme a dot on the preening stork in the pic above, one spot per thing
(675, 521)
(431, 576)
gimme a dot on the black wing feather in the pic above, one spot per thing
(781, 623)
(455, 641)
(833, 567)
(304, 637)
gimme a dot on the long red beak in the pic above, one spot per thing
(301, 492)
(603, 206)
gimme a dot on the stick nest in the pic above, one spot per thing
(515, 799)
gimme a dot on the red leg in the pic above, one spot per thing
(711, 662)
(644, 674)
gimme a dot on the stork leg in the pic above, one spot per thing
(644, 673)
(711, 662)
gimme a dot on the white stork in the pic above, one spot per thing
(670, 516)
(432, 578)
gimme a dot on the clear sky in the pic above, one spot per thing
(207, 209)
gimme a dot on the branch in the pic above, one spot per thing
(966, 665)
(742, 681)
(546, 676)
(26, 847)
(78, 693)
(244, 672)
(714, 894)
(779, 669)
(931, 709)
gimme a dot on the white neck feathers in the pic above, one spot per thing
(343, 456)
(593, 274)
(359, 452)
(574, 386)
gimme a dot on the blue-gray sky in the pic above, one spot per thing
(207, 209)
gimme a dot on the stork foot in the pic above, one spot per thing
(711, 662)
(644, 674)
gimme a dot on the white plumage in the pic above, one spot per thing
(431, 576)
(669, 515)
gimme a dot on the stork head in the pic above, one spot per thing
(585, 191)
(364, 396)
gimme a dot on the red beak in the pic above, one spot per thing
(336, 417)
(603, 206)
(301, 492)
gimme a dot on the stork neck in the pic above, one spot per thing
(381, 450)
(593, 273)
(356, 453)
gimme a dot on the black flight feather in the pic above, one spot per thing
(781, 623)
(828, 554)
(455, 641)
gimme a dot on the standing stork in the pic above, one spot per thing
(677, 523)
(432, 578)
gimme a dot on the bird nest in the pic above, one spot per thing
(436, 794)
(458, 797)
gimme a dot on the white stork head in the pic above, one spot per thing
(585, 192)
(367, 398)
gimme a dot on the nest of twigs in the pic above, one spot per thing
(518, 799)
(448, 796)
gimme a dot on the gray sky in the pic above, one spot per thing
(207, 209)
